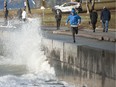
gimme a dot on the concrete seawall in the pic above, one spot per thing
(81, 65)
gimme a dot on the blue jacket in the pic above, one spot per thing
(74, 19)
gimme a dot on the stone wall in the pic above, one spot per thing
(81, 64)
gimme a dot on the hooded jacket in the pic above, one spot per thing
(74, 19)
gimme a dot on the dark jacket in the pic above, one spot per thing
(105, 15)
(93, 17)
(58, 15)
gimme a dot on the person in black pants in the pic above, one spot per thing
(5, 12)
(6, 15)
(58, 16)
(93, 17)
(75, 21)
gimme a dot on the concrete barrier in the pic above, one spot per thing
(81, 65)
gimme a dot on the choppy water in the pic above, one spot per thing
(22, 62)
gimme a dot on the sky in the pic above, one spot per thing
(14, 4)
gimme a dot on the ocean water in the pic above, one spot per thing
(22, 62)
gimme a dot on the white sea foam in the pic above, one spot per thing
(23, 47)
(31, 80)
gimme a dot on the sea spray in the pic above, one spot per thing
(22, 62)
(24, 47)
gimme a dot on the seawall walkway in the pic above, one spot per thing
(99, 34)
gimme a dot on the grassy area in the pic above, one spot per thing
(49, 19)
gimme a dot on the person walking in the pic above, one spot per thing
(75, 21)
(93, 17)
(24, 15)
(6, 13)
(105, 18)
(58, 17)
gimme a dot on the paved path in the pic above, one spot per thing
(65, 35)
(99, 35)
(101, 40)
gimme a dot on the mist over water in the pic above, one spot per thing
(22, 62)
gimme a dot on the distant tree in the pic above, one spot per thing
(87, 6)
(92, 5)
(29, 9)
